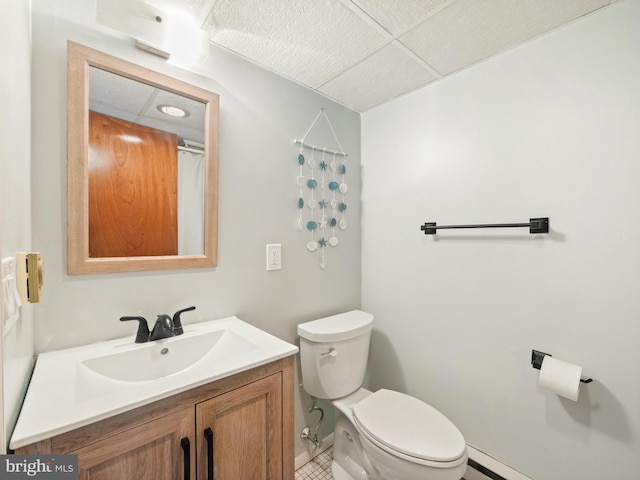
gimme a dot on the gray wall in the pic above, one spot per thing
(260, 115)
(548, 129)
(15, 193)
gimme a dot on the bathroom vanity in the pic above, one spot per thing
(226, 426)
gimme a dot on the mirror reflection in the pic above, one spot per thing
(148, 143)
(142, 165)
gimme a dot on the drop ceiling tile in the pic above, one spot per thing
(398, 15)
(383, 76)
(134, 101)
(307, 41)
(116, 95)
(471, 30)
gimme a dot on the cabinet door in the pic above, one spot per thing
(239, 433)
(151, 451)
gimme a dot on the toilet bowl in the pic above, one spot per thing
(378, 435)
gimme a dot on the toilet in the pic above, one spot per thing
(382, 435)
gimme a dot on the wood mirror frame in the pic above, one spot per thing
(79, 60)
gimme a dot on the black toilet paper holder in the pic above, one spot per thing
(536, 362)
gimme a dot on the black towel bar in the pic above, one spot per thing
(536, 225)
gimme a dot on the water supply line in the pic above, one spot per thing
(306, 431)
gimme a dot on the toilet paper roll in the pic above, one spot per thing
(562, 378)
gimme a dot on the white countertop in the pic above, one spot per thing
(64, 394)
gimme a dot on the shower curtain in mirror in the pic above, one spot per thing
(191, 171)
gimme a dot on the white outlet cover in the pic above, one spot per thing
(274, 256)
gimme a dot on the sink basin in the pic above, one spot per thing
(166, 357)
(78, 386)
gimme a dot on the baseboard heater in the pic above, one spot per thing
(484, 470)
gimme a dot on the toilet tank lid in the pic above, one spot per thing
(337, 327)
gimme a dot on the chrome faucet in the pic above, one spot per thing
(164, 327)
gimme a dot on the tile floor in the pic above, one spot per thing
(317, 469)
(320, 469)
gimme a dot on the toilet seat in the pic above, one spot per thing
(407, 427)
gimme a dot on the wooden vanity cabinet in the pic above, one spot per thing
(237, 428)
(151, 450)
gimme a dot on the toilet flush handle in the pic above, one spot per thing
(331, 353)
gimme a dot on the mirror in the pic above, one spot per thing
(142, 168)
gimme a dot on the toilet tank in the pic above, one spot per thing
(334, 352)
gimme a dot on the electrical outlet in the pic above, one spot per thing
(274, 256)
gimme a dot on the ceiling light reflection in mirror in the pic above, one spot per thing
(137, 102)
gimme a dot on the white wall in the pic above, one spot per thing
(260, 115)
(15, 190)
(548, 129)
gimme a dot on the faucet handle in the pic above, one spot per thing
(177, 323)
(143, 328)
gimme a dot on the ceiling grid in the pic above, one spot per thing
(363, 53)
